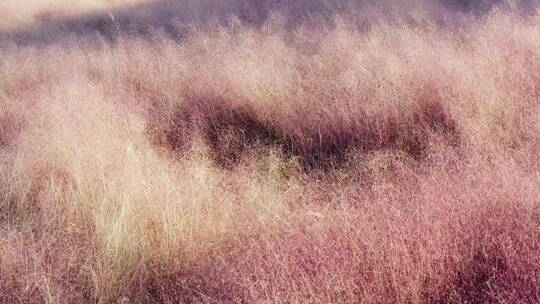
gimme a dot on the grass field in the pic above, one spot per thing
(243, 151)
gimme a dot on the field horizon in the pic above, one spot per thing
(269, 151)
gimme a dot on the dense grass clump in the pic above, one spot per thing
(270, 152)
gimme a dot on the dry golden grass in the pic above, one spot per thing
(319, 160)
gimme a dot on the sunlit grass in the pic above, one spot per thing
(320, 162)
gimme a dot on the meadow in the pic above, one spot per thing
(243, 151)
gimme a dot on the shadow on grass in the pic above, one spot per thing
(168, 17)
(174, 17)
